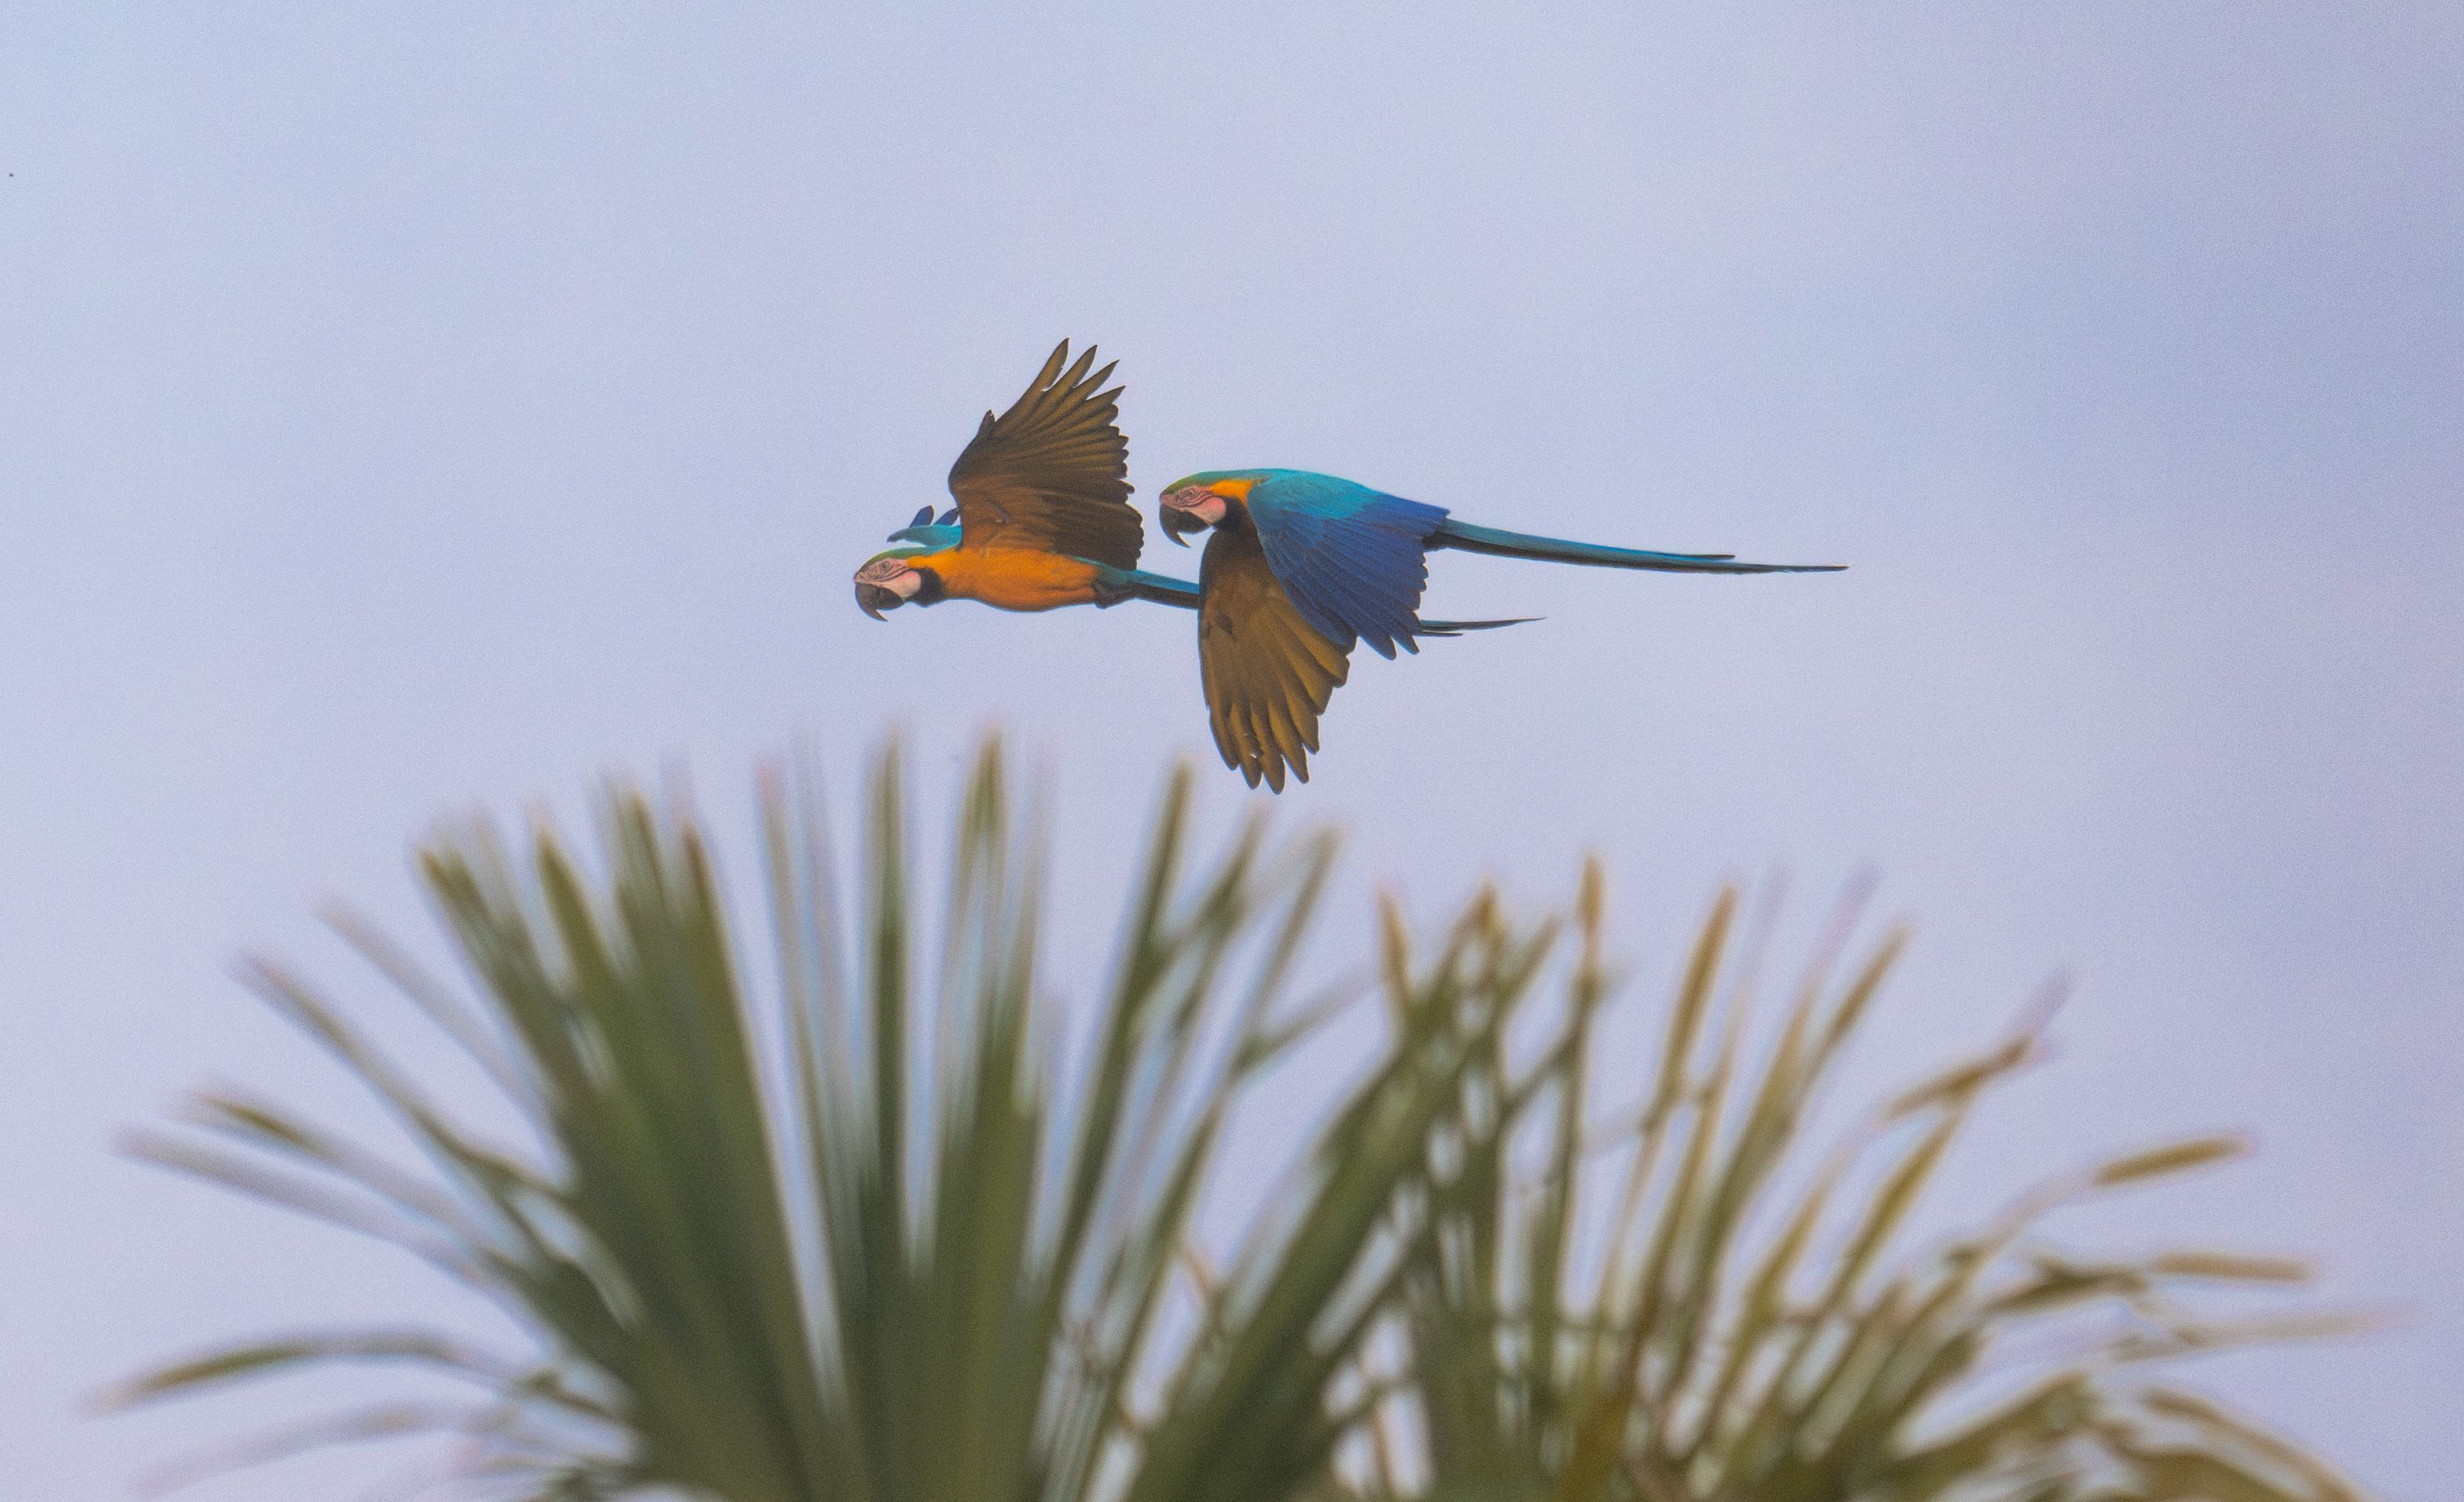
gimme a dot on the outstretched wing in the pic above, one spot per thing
(1350, 556)
(1268, 672)
(1052, 472)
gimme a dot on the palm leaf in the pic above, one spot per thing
(891, 1247)
(886, 1255)
(1758, 1334)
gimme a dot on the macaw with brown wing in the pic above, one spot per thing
(1044, 514)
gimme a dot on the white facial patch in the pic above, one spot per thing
(1200, 502)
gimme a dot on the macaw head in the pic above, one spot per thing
(926, 532)
(890, 579)
(1199, 501)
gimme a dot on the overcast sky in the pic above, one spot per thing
(413, 408)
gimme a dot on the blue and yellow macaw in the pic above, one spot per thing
(1043, 517)
(1304, 566)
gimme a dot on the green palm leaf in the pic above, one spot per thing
(1716, 1358)
(887, 1257)
(886, 1246)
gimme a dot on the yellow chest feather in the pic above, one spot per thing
(1014, 579)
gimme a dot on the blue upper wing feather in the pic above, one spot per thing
(1349, 558)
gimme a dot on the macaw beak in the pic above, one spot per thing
(872, 599)
(1180, 511)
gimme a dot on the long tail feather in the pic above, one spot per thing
(1463, 536)
(1114, 585)
(1459, 627)
(1420, 628)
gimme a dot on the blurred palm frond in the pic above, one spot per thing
(888, 1256)
(1748, 1330)
(894, 1243)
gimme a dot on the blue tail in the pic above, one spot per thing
(1113, 586)
(1459, 627)
(1456, 628)
(1453, 533)
(1116, 585)
(1462, 626)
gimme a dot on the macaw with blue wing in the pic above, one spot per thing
(1303, 566)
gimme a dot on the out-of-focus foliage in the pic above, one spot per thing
(1750, 1330)
(918, 1269)
(883, 1244)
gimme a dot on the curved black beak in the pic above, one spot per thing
(1177, 522)
(872, 599)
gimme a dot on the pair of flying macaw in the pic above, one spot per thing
(1301, 567)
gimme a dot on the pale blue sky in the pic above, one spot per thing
(408, 408)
